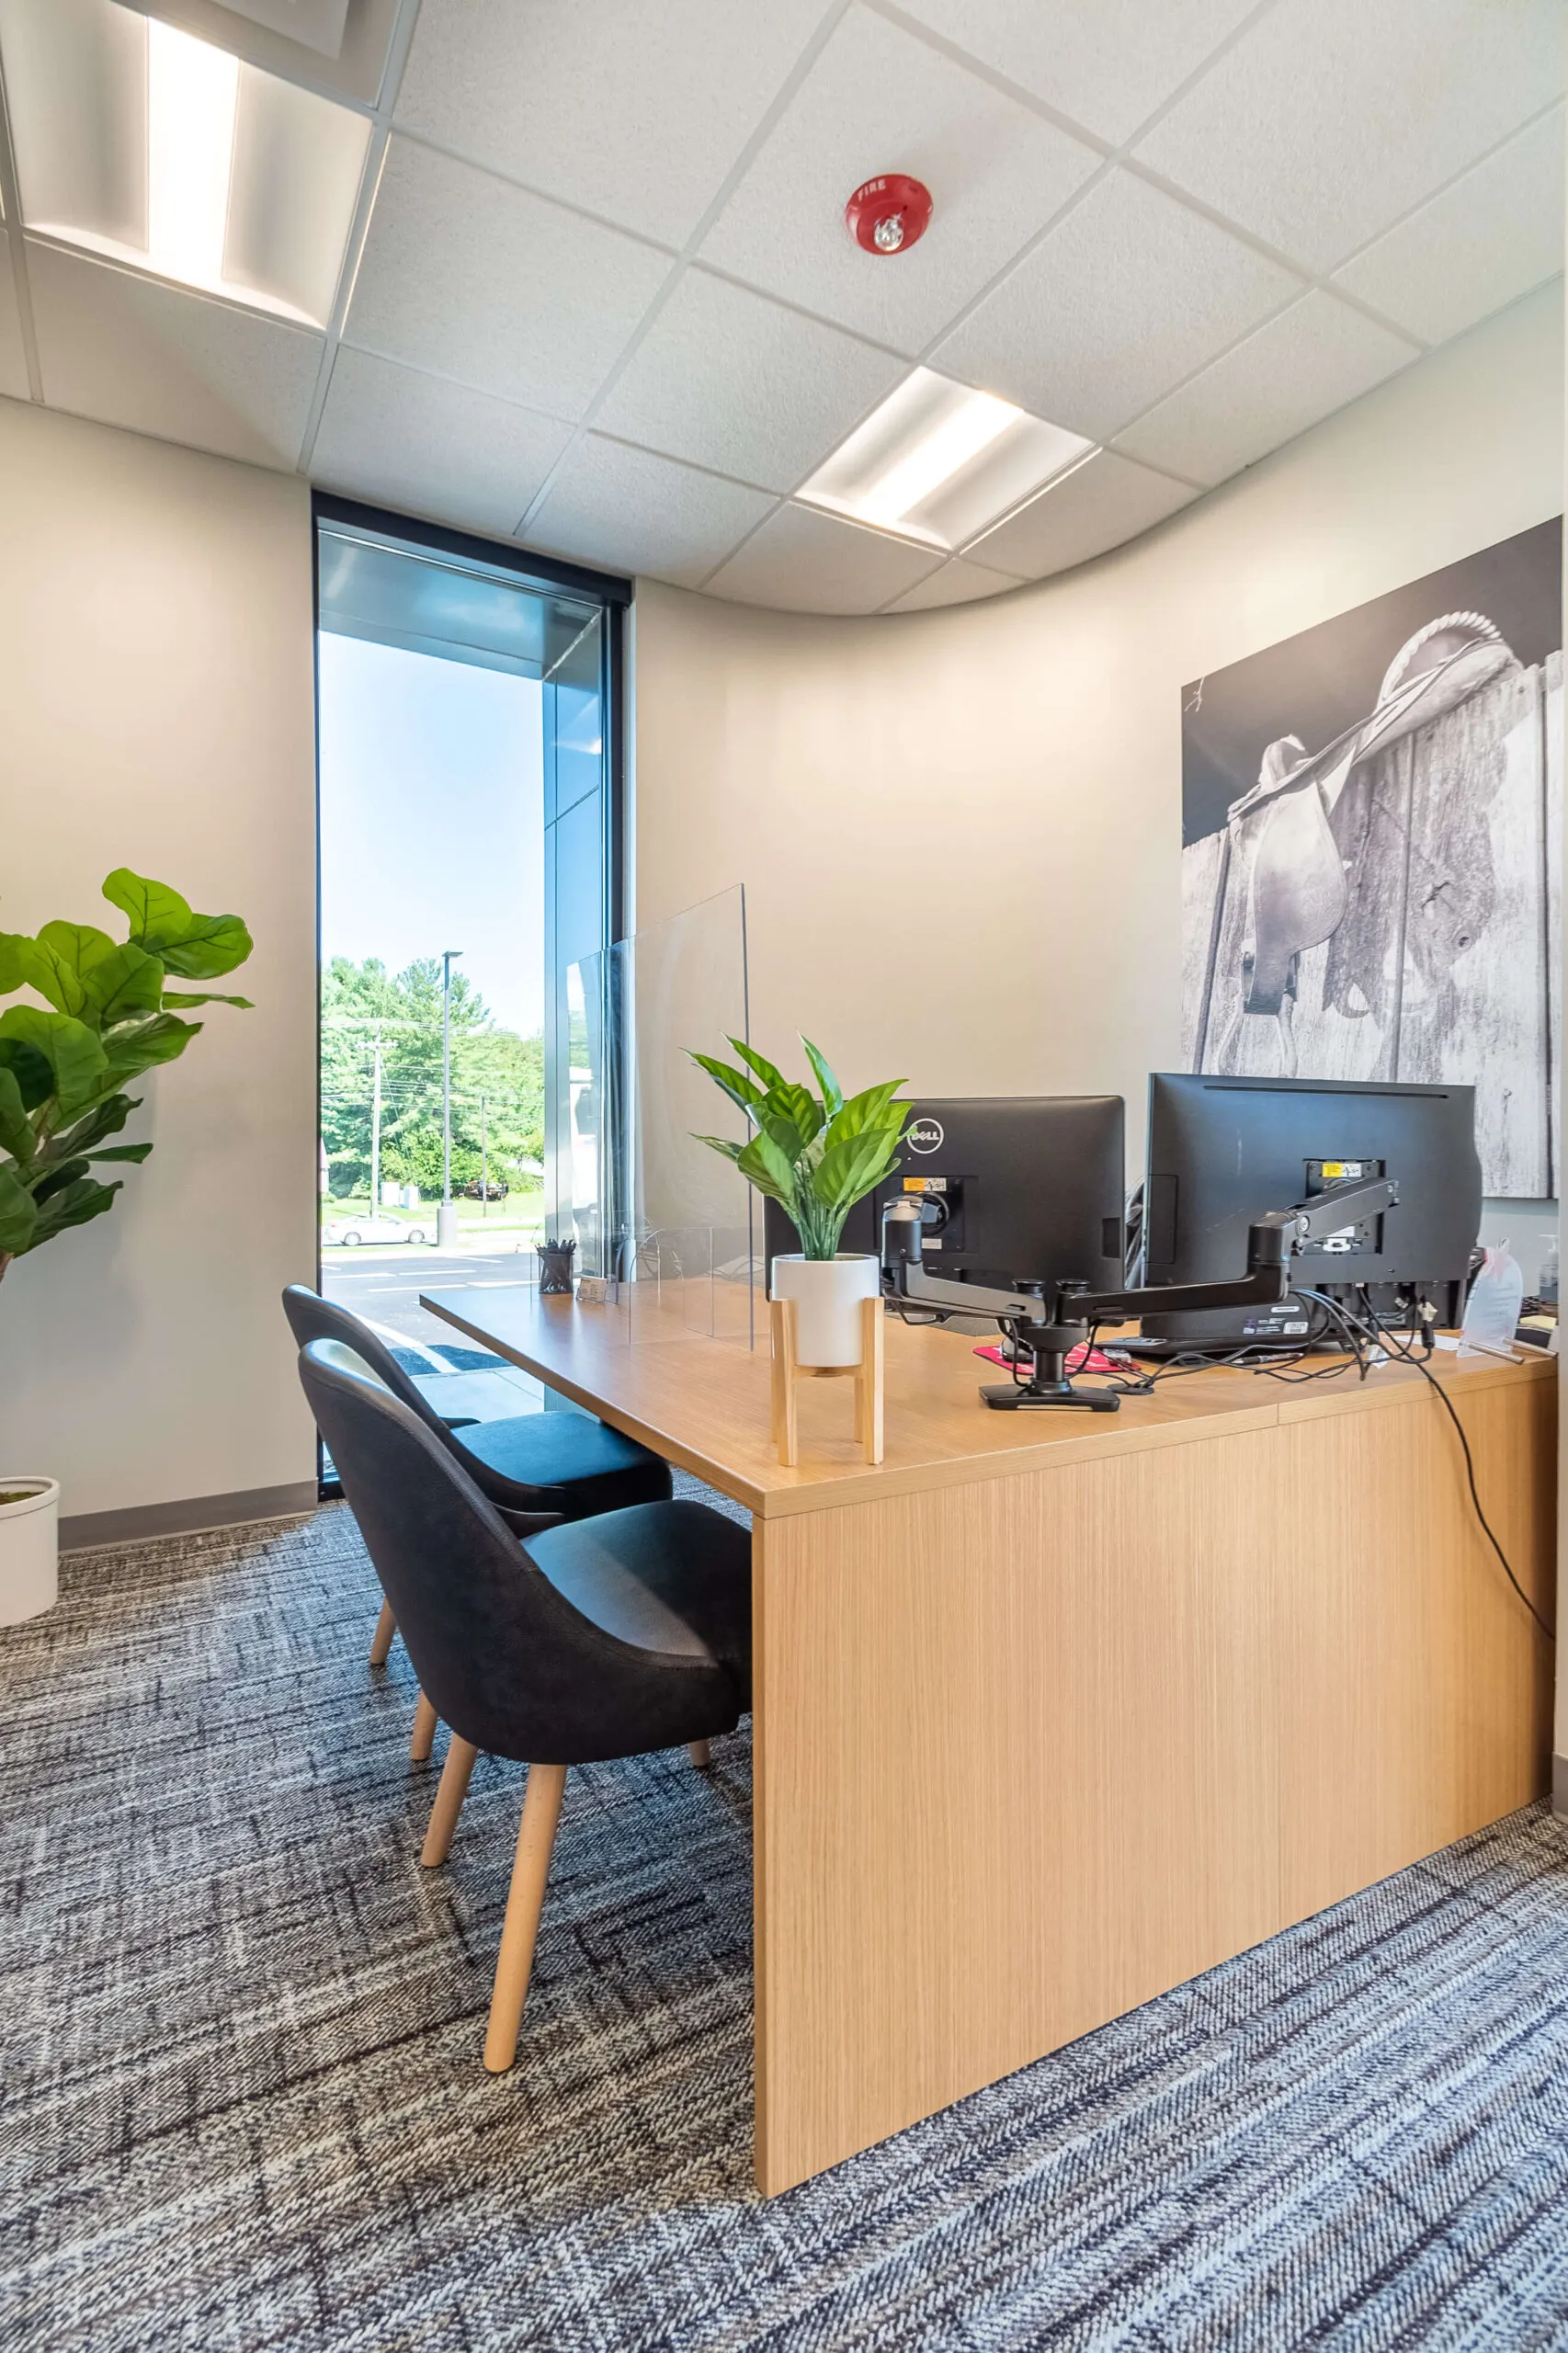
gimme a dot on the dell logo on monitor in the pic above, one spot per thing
(926, 1135)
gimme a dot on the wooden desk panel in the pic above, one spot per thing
(1053, 1713)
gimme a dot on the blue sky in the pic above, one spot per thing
(432, 818)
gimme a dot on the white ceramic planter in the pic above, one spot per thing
(827, 1293)
(30, 1548)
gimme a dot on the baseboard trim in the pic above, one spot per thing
(1559, 1785)
(190, 1516)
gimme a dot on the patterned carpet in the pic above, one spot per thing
(243, 2104)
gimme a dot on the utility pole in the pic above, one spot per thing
(446, 1219)
(484, 1163)
(376, 1128)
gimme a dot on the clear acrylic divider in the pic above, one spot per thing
(655, 1210)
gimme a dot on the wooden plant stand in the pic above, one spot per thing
(788, 1369)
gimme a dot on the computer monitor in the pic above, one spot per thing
(1013, 1188)
(1224, 1150)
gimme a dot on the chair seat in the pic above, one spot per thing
(565, 1462)
(672, 1579)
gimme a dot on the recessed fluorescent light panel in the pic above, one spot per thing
(139, 144)
(940, 462)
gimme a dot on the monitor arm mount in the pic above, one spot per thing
(1051, 1330)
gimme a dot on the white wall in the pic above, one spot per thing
(156, 711)
(960, 831)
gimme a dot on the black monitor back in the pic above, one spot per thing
(1013, 1188)
(1224, 1150)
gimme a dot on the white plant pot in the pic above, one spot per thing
(827, 1293)
(29, 1548)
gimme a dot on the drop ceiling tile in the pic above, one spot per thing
(1108, 65)
(13, 358)
(435, 449)
(156, 358)
(1129, 294)
(731, 381)
(1101, 504)
(471, 279)
(628, 511)
(957, 583)
(803, 563)
(1485, 241)
(1328, 120)
(1298, 368)
(878, 96)
(633, 112)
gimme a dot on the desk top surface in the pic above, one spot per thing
(703, 1403)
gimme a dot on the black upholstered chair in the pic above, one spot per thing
(596, 1639)
(564, 1463)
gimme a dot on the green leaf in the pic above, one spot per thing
(795, 1109)
(136, 1046)
(56, 1180)
(29, 1068)
(832, 1093)
(106, 1119)
(137, 1152)
(154, 908)
(849, 1171)
(124, 982)
(199, 948)
(213, 945)
(74, 1206)
(16, 1129)
(41, 968)
(735, 1084)
(769, 1073)
(872, 1112)
(80, 945)
(175, 997)
(69, 1047)
(18, 1215)
(763, 1165)
(10, 964)
(721, 1144)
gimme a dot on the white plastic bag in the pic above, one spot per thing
(1491, 1311)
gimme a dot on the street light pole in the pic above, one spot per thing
(446, 1218)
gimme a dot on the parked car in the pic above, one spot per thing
(348, 1232)
(498, 1191)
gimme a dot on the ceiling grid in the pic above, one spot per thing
(597, 294)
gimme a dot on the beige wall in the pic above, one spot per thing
(960, 831)
(156, 711)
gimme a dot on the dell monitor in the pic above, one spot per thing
(1225, 1151)
(1012, 1189)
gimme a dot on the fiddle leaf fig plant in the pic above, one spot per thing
(816, 1154)
(106, 1016)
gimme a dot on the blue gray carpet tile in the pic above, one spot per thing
(243, 2104)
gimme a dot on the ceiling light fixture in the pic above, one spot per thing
(140, 145)
(940, 462)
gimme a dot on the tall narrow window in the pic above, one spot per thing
(468, 800)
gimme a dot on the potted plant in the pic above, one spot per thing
(106, 1016)
(817, 1156)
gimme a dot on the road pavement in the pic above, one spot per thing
(382, 1286)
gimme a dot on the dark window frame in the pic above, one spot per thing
(547, 573)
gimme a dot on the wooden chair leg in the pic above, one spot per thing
(381, 1642)
(700, 1753)
(448, 1801)
(530, 1869)
(423, 1737)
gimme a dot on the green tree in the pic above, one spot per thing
(497, 1079)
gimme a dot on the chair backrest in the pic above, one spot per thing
(503, 1658)
(311, 1317)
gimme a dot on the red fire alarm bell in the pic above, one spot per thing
(888, 214)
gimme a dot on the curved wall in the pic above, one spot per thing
(960, 831)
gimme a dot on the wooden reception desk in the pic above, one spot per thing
(1053, 1711)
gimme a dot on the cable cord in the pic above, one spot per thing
(1402, 1348)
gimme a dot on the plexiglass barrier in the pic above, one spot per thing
(656, 1212)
